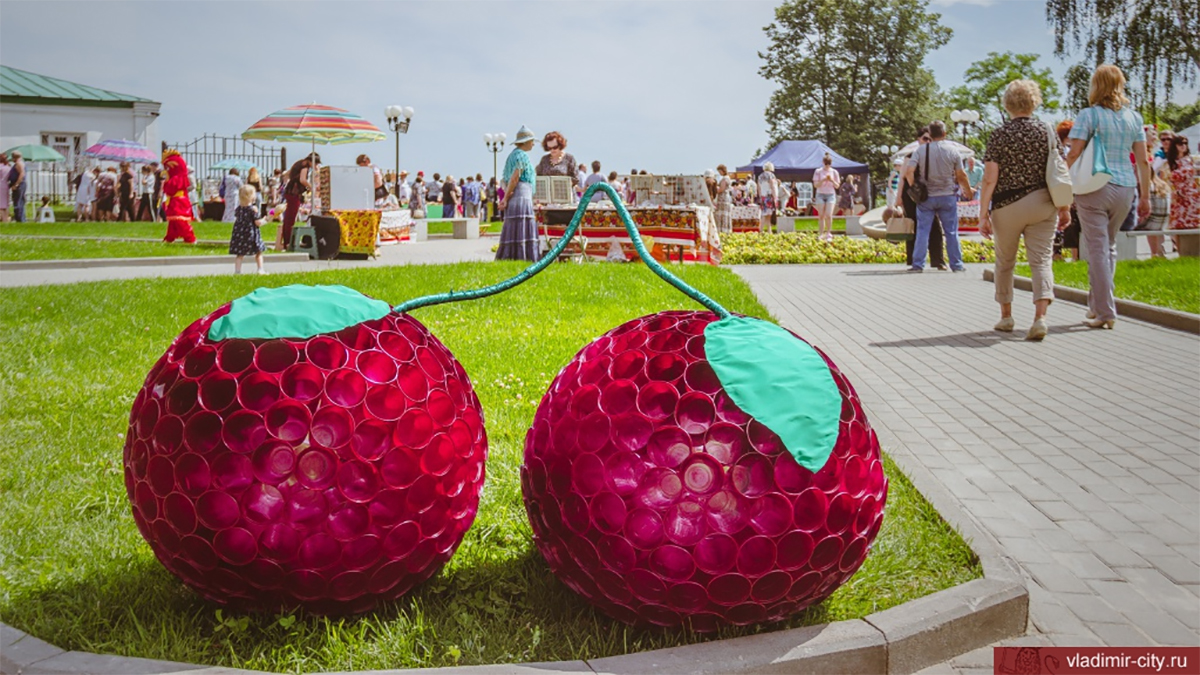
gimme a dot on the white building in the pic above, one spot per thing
(70, 117)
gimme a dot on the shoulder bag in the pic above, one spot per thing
(1090, 171)
(918, 190)
(1058, 176)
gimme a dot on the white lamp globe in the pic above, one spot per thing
(408, 112)
(390, 112)
(895, 149)
(487, 139)
(974, 116)
(503, 137)
(956, 116)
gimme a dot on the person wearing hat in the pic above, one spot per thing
(518, 238)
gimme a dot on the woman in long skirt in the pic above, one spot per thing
(518, 239)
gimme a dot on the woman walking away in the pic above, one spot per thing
(125, 192)
(5, 170)
(146, 203)
(768, 197)
(254, 179)
(518, 238)
(1015, 202)
(247, 237)
(1114, 124)
(826, 181)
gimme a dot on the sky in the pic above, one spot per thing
(666, 86)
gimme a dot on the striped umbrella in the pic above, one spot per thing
(121, 151)
(314, 124)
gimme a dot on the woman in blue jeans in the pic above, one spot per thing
(1119, 129)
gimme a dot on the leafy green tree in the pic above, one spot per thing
(986, 79)
(1156, 42)
(1174, 115)
(852, 73)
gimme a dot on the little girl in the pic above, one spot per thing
(46, 215)
(246, 238)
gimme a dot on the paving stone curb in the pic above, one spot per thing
(1160, 316)
(83, 263)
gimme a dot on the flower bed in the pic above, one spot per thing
(752, 248)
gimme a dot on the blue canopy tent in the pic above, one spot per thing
(795, 161)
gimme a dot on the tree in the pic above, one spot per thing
(852, 73)
(987, 78)
(1156, 42)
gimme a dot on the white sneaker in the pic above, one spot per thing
(262, 271)
(1005, 325)
(1037, 332)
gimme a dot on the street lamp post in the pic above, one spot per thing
(398, 118)
(964, 119)
(888, 151)
(493, 142)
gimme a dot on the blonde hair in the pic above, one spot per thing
(246, 195)
(768, 166)
(1022, 97)
(253, 174)
(1108, 87)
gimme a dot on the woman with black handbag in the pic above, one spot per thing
(937, 254)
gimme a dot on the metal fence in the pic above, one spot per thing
(204, 151)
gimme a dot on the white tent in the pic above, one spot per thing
(1193, 135)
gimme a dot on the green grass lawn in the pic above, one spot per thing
(24, 248)
(141, 230)
(75, 571)
(1166, 283)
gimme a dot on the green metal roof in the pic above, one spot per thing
(22, 86)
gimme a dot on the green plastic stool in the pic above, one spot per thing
(304, 240)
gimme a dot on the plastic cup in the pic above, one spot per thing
(263, 503)
(218, 391)
(400, 467)
(672, 562)
(764, 440)
(275, 356)
(618, 397)
(258, 391)
(199, 553)
(145, 501)
(289, 421)
(593, 432)
(771, 515)
(234, 355)
(306, 507)
(274, 463)
(244, 431)
(235, 546)
(728, 511)
(627, 365)
(182, 397)
(790, 476)
(700, 377)
(217, 510)
(160, 474)
(232, 472)
(623, 471)
(747, 613)
(147, 417)
(684, 523)
(728, 411)
(827, 553)
(772, 587)
(855, 478)
(794, 550)
(812, 507)
(438, 457)
(396, 346)
(202, 432)
(199, 361)
(303, 382)
(687, 597)
(319, 551)
(854, 555)
(702, 474)
(729, 589)
(753, 475)
(659, 488)
(332, 427)
(716, 553)
(422, 495)
(345, 387)
(669, 447)
(644, 528)
(376, 366)
(725, 443)
(413, 429)
(575, 514)
(357, 481)
(413, 382)
(841, 513)
(441, 408)
(646, 586)
(695, 413)
(361, 552)
(631, 432)
(667, 341)
(325, 353)
(617, 554)
(180, 512)
(349, 521)
(657, 400)
(431, 361)
(316, 468)
(665, 367)
(386, 402)
(756, 556)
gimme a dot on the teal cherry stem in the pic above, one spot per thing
(524, 275)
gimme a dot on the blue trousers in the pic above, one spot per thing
(18, 199)
(946, 209)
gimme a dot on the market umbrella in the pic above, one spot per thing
(234, 163)
(121, 151)
(37, 153)
(314, 123)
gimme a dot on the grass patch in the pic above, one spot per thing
(753, 248)
(214, 230)
(1167, 283)
(75, 571)
(24, 248)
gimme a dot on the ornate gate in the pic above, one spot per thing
(204, 151)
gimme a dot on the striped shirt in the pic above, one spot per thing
(1118, 131)
(518, 162)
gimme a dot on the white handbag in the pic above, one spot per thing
(1058, 176)
(1090, 171)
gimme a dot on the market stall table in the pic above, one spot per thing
(747, 218)
(360, 231)
(687, 230)
(214, 210)
(395, 226)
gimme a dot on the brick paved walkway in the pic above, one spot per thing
(1079, 455)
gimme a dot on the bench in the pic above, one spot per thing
(1189, 242)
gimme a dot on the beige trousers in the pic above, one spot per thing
(1035, 217)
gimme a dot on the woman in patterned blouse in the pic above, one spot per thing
(518, 239)
(1015, 202)
(557, 161)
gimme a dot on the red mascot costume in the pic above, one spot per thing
(175, 191)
